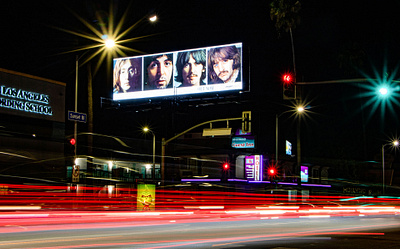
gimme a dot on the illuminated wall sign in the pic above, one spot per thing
(27, 101)
(194, 71)
(243, 142)
(31, 96)
(254, 168)
(304, 173)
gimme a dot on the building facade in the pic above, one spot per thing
(32, 128)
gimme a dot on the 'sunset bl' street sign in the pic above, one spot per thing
(77, 116)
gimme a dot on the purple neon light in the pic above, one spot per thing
(259, 182)
(287, 183)
(237, 180)
(200, 180)
(316, 185)
(242, 180)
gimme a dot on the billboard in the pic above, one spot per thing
(179, 73)
(254, 168)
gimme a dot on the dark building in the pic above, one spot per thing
(32, 128)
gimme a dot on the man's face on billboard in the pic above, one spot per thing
(160, 72)
(223, 68)
(192, 72)
(126, 76)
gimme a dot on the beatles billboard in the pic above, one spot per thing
(193, 71)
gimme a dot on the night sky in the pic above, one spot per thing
(340, 124)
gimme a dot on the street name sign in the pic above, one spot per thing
(77, 116)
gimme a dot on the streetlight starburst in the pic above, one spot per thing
(110, 43)
(107, 37)
(382, 92)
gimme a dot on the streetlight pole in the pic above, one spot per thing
(109, 44)
(76, 98)
(383, 168)
(76, 102)
(299, 109)
(154, 156)
(153, 173)
(394, 143)
(276, 137)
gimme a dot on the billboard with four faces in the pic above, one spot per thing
(193, 71)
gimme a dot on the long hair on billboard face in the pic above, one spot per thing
(191, 68)
(127, 75)
(159, 71)
(224, 64)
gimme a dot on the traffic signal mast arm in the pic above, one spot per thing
(198, 125)
(340, 81)
(165, 142)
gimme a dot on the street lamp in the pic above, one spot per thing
(298, 109)
(395, 143)
(153, 18)
(108, 43)
(146, 129)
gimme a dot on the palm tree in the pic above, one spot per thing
(286, 17)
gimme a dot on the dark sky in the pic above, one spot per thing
(33, 43)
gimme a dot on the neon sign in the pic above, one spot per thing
(254, 168)
(243, 142)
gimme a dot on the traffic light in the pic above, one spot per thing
(225, 171)
(272, 172)
(226, 166)
(246, 122)
(72, 143)
(289, 86)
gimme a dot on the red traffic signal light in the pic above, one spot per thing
(72, 148)
(287, 79)
(289, 86)
(72, 141)
(225, 166)
(272, 172)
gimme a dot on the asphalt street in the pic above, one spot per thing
(233, 232)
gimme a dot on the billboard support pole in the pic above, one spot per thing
(163, 144)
